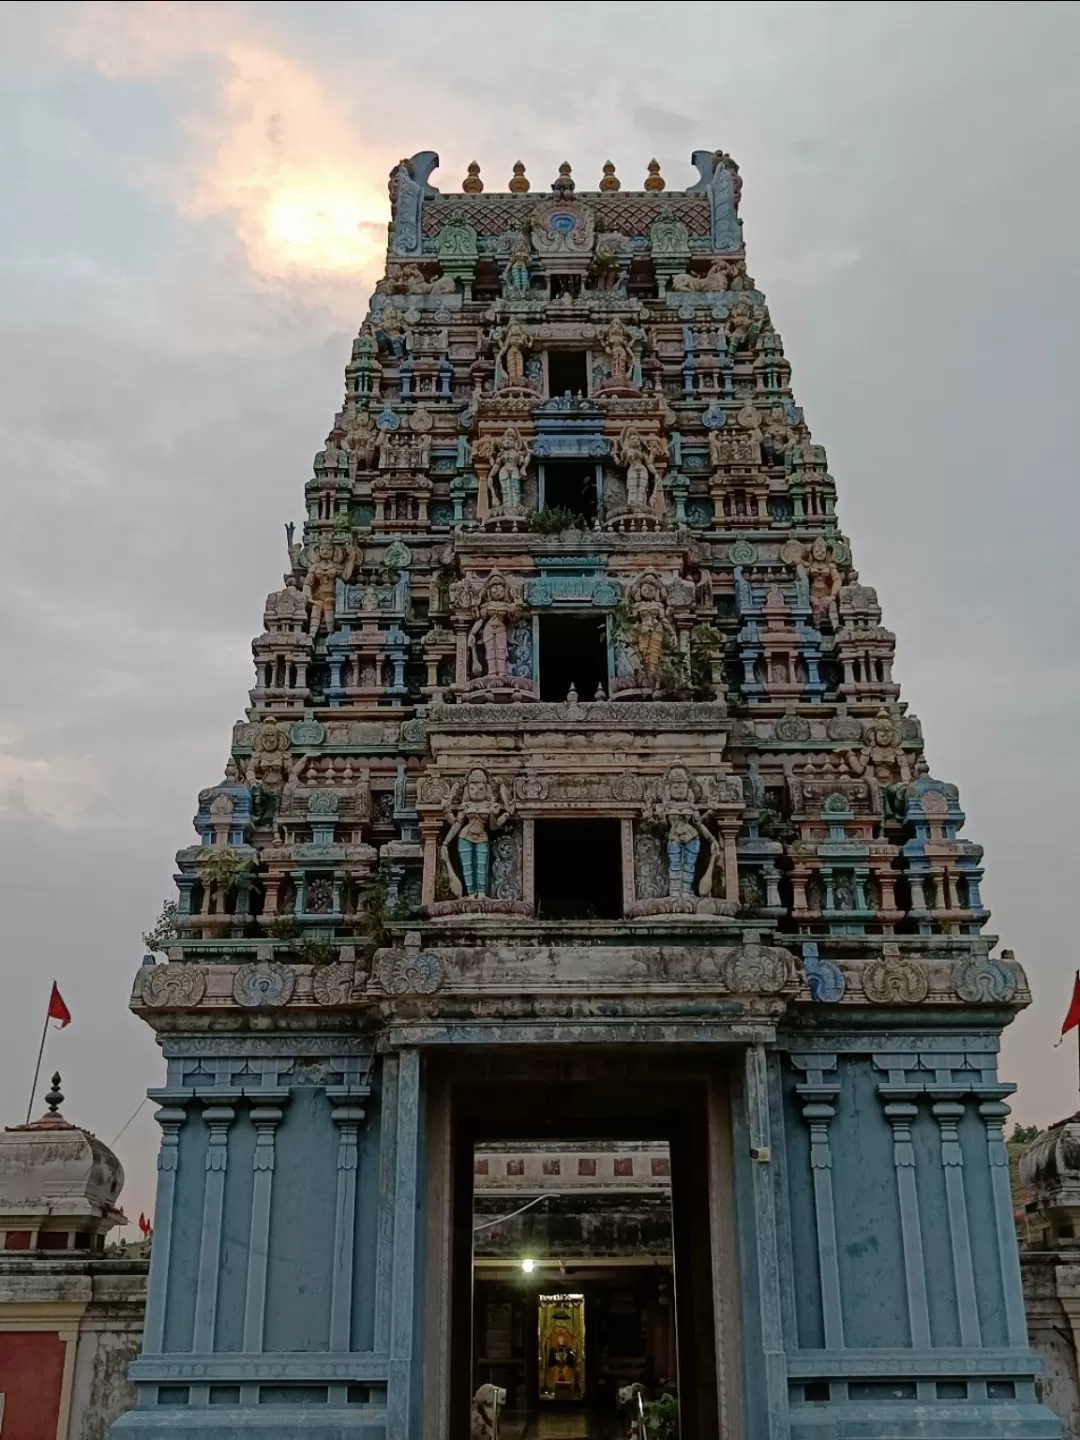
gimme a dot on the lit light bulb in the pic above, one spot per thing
(528, 1266)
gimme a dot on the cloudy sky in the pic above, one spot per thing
(194, 202)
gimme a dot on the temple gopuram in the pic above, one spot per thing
(578, 1010)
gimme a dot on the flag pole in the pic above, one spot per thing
(37, 1067)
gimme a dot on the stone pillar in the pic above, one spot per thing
(994, 1111)
(170, 1117)
(629, 877)
(949, 1113)
(403, 1283)
(767, 1251)
(818, 1109)
(429, 834)
(900, 1112)
(348, 1117)
(528, 863)
(265, 1118)
(218, 1118)
(729, 843)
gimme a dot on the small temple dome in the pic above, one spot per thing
(57, 1181)
(1050, 1167)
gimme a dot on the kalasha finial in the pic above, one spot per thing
(54, 1099)
(472, 184)
(563, 185)
(654, 180)
(519, 185)
(610, 180)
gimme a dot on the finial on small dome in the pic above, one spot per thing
(654, 180)
(563, 185)
(472, 184)
(610, 180)
(518, 184)
(54, 1099)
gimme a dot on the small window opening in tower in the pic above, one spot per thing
(568, 372)
(573, 652)
(578, 869)
(569, 486)
(565, 285)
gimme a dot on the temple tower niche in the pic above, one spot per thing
(577, 803)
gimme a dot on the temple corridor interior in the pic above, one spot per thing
(573, 1282)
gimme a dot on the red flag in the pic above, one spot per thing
(1072, 1019)
(144, 1226)
(59, 1011)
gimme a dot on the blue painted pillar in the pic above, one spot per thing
(348, 1118)
(170, 1118)
(403, 1308)
(994, 1111)
(266, 1119)
(767, 1250)
(900, 1113)
(384, 1255)
(218, 1118)
(818, 1110)
(948, 1114)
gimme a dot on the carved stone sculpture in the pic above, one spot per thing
(477, 808)
(684, 821)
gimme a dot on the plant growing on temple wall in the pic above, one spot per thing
(220, 867)
(554, 521)
(163, 932)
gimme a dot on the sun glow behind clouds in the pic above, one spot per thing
(318, 228)
(278, 153)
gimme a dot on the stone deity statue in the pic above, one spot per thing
(516, 276)
(329, 562)
(637, 453)
(499, 607)
(514, 342)
(675, 808)
(509, 456)
(650, 627)
(476, 809)
(619, 345)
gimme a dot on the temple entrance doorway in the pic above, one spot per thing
(585, 1197)
(573, 1312)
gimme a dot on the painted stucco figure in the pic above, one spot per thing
(475, 812)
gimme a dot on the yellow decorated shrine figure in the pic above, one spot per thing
(562, 1348)
(561, 1374)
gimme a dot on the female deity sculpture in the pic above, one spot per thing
(511, 352)
(509, 456)
(740, 322)
(620, 348)
(516, 277)
(475, 810)
(686, 828)
(499, 608)
(650, 627)
(637, 453)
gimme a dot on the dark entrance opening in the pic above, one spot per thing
(565, 285)
(572, 1293)
(573, 652)
(572, 1110)
(570, 487)
(578, 869)
(568, 372)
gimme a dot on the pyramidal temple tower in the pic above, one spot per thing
(576, 801)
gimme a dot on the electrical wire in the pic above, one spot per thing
(499, 1219)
